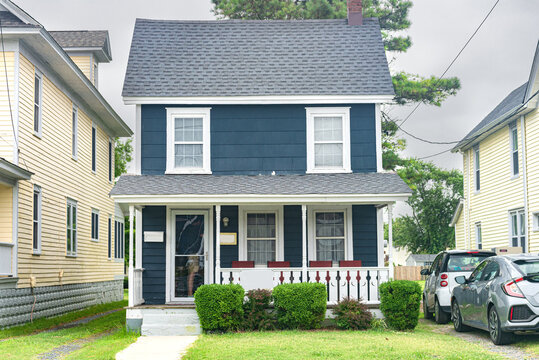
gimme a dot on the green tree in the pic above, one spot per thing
(393, 18)
(435, 195)
(122, 156)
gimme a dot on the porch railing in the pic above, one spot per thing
(137, 286)
(354, 282)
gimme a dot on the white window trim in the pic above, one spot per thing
(478, 234)
(74, 242)
(120, 221)
(37, 251)
(343, 112)
(510, 232)
(279, 229)
(476, 156)
(93, 149)
(38, 74)
(95, 212)
(348, 229)
(206, 160)
(75, 133)
(513, 127)
(110, 237)
(110, 163)
(535, 221)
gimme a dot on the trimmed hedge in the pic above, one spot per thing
(220, 307)
(301, 305)
(399, 302)
(352, 314)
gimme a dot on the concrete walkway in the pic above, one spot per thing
(157, 347)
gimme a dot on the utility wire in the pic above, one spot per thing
(433, 155)
(388, 118)
(456, 57)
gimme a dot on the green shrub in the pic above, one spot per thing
(352, 314)
(301, 305)
(256, 313)
(399, 302)
(219, 307)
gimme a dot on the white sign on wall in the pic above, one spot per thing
(154, 236)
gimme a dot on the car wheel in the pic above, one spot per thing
(456, 317)
(426, 313)
(440, 316)
(497, 335)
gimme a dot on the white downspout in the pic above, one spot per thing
(390, 239)
(524, 178)
(131, 296)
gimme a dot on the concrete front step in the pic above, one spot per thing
(171, 319)
(170, 330)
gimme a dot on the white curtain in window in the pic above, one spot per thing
(330, 236)
(261, 237)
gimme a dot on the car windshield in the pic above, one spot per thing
(464, 262)
(529, 267)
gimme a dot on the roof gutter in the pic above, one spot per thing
(61, 52)
(495, 125)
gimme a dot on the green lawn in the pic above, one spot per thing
(28, 341)
(373, 344)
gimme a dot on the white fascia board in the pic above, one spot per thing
(456, 215)
(226, 199)
(19, 13)
(251, 100)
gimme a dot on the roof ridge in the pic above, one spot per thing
(371, 19)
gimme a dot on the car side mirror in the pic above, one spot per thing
(461, 279)
(424, 272)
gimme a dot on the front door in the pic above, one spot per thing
(189, 261)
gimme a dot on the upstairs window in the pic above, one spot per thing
(38, 89)
(111, 170)
(328, 140)
(109, 247)
(74, 128)
(71, 248)
(476, 169)
(94, 148)
(514, 148)
(188, 141)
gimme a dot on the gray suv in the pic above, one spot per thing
(500, 296)
(441, 280)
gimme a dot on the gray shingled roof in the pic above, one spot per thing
(511, 101)
(251, 57)
(7, 19)
(356, 183)
(83, 39)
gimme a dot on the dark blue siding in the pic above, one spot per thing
(229, 253)
(365, 233)
(154, 256)
(258, 139)
(292, 235)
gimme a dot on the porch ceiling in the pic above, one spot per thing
(308, 188)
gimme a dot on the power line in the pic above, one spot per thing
(456, 57)
(433, 155)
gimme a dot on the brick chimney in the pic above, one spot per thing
(355, 12)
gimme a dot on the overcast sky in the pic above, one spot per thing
(496, 61)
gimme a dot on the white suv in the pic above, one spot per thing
(438, 287)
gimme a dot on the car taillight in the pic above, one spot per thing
(511, 288)
(443, 276)
(443, 283)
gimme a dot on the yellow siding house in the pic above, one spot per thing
(500, 207)
(61, 235)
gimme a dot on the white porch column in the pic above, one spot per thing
(131, 273)
(304, 242)
(217, 244)
(138, 234)
(390, 239)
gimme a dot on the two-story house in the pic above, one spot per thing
(59, 250)
(258, 159)
(500, 207)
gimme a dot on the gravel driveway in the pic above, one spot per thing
(481, 338)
